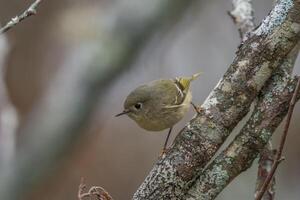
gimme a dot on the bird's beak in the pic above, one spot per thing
(123, 113)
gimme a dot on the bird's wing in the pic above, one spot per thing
(171, 93)
(174, 106)
(178, 93)
(183, 85)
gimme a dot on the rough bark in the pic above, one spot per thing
(272, 106)
(227, 104)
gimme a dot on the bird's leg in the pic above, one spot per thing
(166, 142)
(198, 109)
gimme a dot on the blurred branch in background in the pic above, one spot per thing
(242, 15)
(67, 105)
(257, 58)
(27, 13)
(8, 114)
(266, 159)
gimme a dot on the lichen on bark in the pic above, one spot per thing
(270, 110)
(226, 105)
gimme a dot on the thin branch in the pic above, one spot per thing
(282, 142)
(95, 191)
(266, 160)
(242, 15)
(27, 13)
(81, 189)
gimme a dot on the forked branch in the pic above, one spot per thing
(278, 158)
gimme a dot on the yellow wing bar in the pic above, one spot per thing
(185, 81)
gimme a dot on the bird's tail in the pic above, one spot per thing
(185, 81)
(194, 76)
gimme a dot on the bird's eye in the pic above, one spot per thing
(138, 106)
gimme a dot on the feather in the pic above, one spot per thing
(183, 83)
(174, 106)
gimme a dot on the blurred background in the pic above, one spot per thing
(66, 37)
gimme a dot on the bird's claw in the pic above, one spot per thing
(163, 152)
(198, 109)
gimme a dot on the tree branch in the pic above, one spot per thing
(272, 106)
(266, 160)
(226, 105)
(242, 15)
(27, 13)
(282, 142)
(58, 119)
(95, 191)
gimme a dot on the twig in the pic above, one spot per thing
(81, 189)
(282, 142)
(267, 156)
(96, 191)
(27, 13)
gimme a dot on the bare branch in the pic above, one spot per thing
(81, 189)
(227, 104)
(27, 13)
(242, 15)
(272, 106)
(267, 157)
(95, 191)
(282, 142)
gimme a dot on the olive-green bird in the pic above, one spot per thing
(160, 104)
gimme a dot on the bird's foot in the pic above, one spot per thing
(163, 152)
(198, 109)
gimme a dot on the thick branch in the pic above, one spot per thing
(242, 16)
(27, 13)
(272, 106)
(226, 105)
(282, 142)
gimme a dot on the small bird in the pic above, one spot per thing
(160, 104)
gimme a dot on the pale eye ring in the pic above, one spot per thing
(138, 106)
